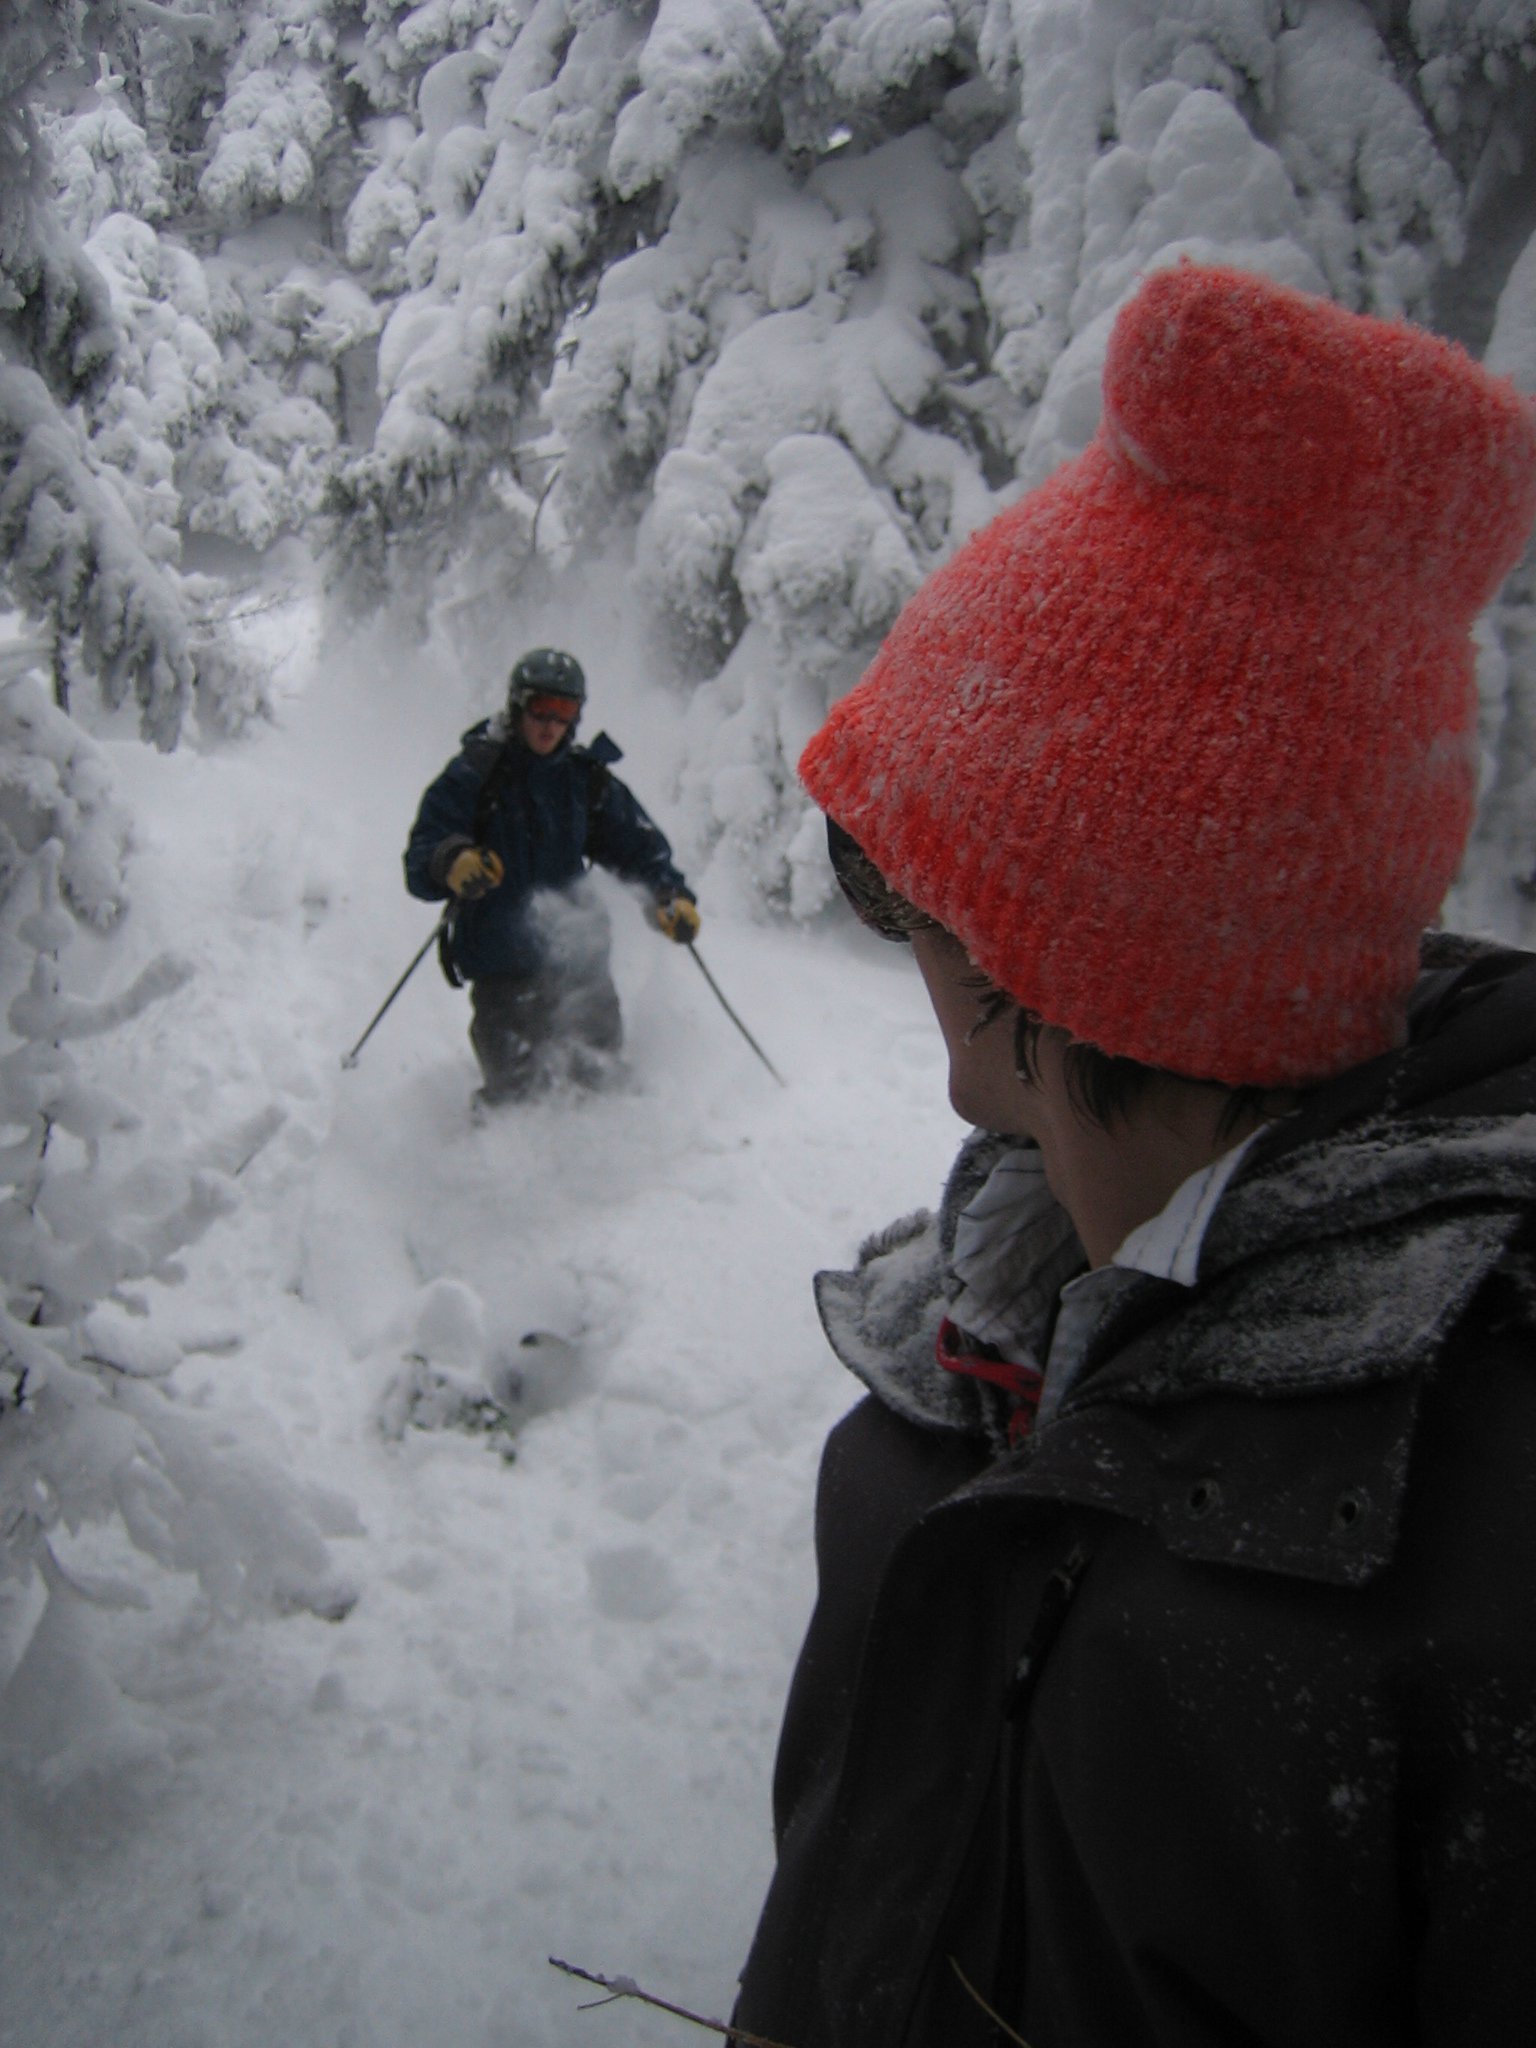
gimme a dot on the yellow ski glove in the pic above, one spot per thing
(678, 917)
(475, 872)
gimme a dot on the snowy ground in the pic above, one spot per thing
(547, 1724)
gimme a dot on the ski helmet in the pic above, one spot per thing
(545, 672)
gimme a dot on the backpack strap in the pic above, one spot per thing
(598, 756)
(492, 783)
(445, 958)
(499, 765)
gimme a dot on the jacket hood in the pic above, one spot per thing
(1358, 1229)
(1352, 1238)
(882, 1317)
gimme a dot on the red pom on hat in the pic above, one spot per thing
(1181, 746)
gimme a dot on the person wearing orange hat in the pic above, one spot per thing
(1172, 1679)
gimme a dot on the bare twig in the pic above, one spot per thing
(625, 1987)
(995, 2017)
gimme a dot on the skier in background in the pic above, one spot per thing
(1172, 1680)
(507, 832)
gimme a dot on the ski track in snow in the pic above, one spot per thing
(547, 1726)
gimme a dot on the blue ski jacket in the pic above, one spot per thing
(547, 817)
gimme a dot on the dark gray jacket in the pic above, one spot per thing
(1208, 1717)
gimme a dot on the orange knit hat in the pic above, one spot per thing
(1181, 746)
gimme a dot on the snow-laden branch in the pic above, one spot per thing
(72, 553)
(20, 1343)
(195, 28)
(88, 1431)
(43, 1011)
(22, 657)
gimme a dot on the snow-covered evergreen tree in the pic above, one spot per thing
(55, 787)
(769, 303)
(120, 388)
(787, 300)
(73, 553)
(92, 1220)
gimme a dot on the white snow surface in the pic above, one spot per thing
(547, 1725)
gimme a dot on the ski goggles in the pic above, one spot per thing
(551, 710)
(874, 902)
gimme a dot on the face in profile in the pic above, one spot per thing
(984, 1086)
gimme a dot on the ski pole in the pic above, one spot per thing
(433, 936)
(746, 1034)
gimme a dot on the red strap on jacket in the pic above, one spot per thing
(1022, 1383)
